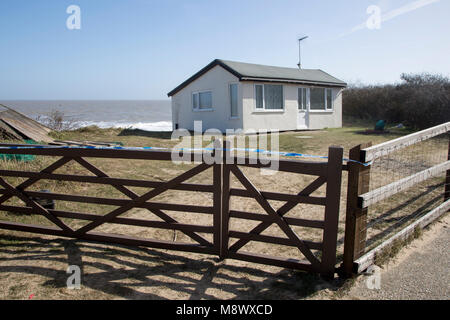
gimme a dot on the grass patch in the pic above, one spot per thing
(392, 250)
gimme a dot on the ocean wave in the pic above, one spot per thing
(147, 126)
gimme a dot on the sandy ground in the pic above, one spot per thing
(36, 266)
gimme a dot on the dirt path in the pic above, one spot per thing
(420, 271)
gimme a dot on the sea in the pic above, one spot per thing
(149, 115)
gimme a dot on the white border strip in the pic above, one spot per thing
(389, 190)
(385, 148)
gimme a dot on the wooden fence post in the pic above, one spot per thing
(333, 199)
(225, 218)
(447, 177)
(217, 183)
(356, 218)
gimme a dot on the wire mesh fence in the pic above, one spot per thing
(410, 197)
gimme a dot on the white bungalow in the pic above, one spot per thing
(235, 95)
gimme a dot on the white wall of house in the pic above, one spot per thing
(287, 119)
(265, 119)
(216, 80)
(327, 119)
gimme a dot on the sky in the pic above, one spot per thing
(142, 49)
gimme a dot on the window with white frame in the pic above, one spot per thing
(202, 100)
(234, 100)
(321, 99)
(302, 98)
(269, 97)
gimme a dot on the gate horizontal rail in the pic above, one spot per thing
(104, 180)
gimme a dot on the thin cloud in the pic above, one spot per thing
(394, 13)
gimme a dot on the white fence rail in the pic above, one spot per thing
(385, 148)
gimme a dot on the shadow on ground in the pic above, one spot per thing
(388, 134)
(149, 134)
(142, 273)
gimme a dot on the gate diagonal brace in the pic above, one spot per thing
(283, 210)
(140, 200)
(278, 219)
(134, 196)
(41, 210)
(27, 183)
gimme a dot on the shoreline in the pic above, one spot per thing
(157, 126)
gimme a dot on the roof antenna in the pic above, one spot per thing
(300, 52)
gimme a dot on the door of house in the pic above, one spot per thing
(302, 115)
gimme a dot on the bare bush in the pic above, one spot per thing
(57, 121)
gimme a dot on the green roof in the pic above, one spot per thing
(257, 72)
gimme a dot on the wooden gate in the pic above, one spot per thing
(87, 231)
(219, 190)
(328, 173)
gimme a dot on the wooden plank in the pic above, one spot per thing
(294, 166)
(21, 144)
(28, 131)
(385, 148)
(116, 202)
(217, 198)
(391, 189)
(317, 224)
(356, 218)
(104, 180)
(8, 132)
(74, 152)
(225, 218)
(119, 220)
(447, 176)
(25, 127)
(271, 239)
(11, 113)
(280, 197)
(333, 196)
(368, 259)
(274, 261)
(109, 238)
